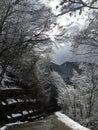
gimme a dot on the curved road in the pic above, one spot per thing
(51, 123)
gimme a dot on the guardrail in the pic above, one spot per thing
(17, 105)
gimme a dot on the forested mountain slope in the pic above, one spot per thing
(77, 85)
(66, 69)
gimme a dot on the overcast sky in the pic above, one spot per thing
(73, 24)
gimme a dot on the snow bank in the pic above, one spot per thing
(3, 128)
(11, 124)
(69, 122)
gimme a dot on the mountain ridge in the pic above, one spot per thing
(66, 69)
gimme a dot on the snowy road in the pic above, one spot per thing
(58, 121)
(49, 124)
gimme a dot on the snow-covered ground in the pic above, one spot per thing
(69, 122)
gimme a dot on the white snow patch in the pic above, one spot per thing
(16, 115)
(30, 111)
(9, 117)
(25, 112)
(11, 101)
(3, 103)
(3, 128)
(12, 124)
(20, 100)
(6, 88)
(69, 122)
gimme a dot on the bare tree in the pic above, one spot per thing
(79, 100)
(22, 26)
(87, 38)
(70, 6)
(87, 88)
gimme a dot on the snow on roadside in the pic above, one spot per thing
(3, 128)
(69, 122)
(11, 124)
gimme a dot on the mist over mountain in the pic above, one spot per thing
(66, 69)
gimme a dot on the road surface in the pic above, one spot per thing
(51, 123)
